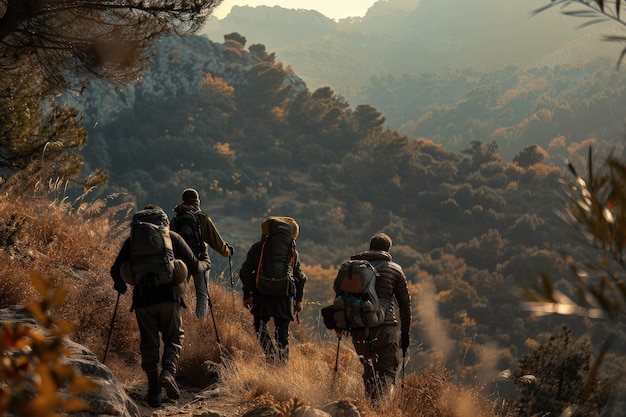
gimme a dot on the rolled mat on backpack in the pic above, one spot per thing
(180, 274)
(273, 224)
(181, 278)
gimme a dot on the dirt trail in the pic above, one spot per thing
(192, 403)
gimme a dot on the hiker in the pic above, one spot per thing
(377, 347)
(273, 285)
(157, 307)
(198, 230)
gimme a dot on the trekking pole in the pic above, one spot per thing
(232, 283)
(217, 336)
(337, 354)
(403, 365)
(106, 349)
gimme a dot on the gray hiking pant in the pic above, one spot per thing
(164, 320)
(201, 284)
(378, 349)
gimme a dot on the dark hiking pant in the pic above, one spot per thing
(160, 320)
(278, 351)
(378, 350)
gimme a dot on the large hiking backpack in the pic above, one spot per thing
(151, 255)
(188, 226)
(274, 276)
(356, 304)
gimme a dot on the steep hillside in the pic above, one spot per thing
(56, 263)
(177, 70)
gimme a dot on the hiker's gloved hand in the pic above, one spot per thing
(203, 257)
(204, 265)
(231, 249)
(297, 306)
(247, 303)
(405, 341)
(120, 287)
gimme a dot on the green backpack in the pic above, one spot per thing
(151, 256)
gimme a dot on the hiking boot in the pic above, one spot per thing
(169, 383)
(283, 355)
(154, 389)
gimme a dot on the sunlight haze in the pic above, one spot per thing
(330, 8)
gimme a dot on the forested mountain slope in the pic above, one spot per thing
(401, 37)
(470, 228)
(555, 107)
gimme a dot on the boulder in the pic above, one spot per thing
(341, 408)
(109, 399)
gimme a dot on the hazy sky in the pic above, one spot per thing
(334, 9)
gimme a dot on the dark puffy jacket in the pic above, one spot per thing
(390, 284)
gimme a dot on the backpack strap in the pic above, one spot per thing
(292, 259)
(258, 269)
(384, 308)
(345, 310)
(201, 247)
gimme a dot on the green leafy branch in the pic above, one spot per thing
(597, 11)
(595, 206)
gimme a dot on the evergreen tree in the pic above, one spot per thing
(529, 156)
(101, 38)
(49, 138)
(558, 378)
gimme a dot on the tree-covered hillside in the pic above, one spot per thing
(469, 228)
(560, 108)
(400, 37)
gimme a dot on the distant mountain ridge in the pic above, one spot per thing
(406, 37)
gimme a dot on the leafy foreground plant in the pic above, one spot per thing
(595, 207)
(34, 379)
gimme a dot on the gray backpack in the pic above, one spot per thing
(356, 304)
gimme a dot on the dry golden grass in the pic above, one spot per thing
(74, 244)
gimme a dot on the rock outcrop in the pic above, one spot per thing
(109, 399)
